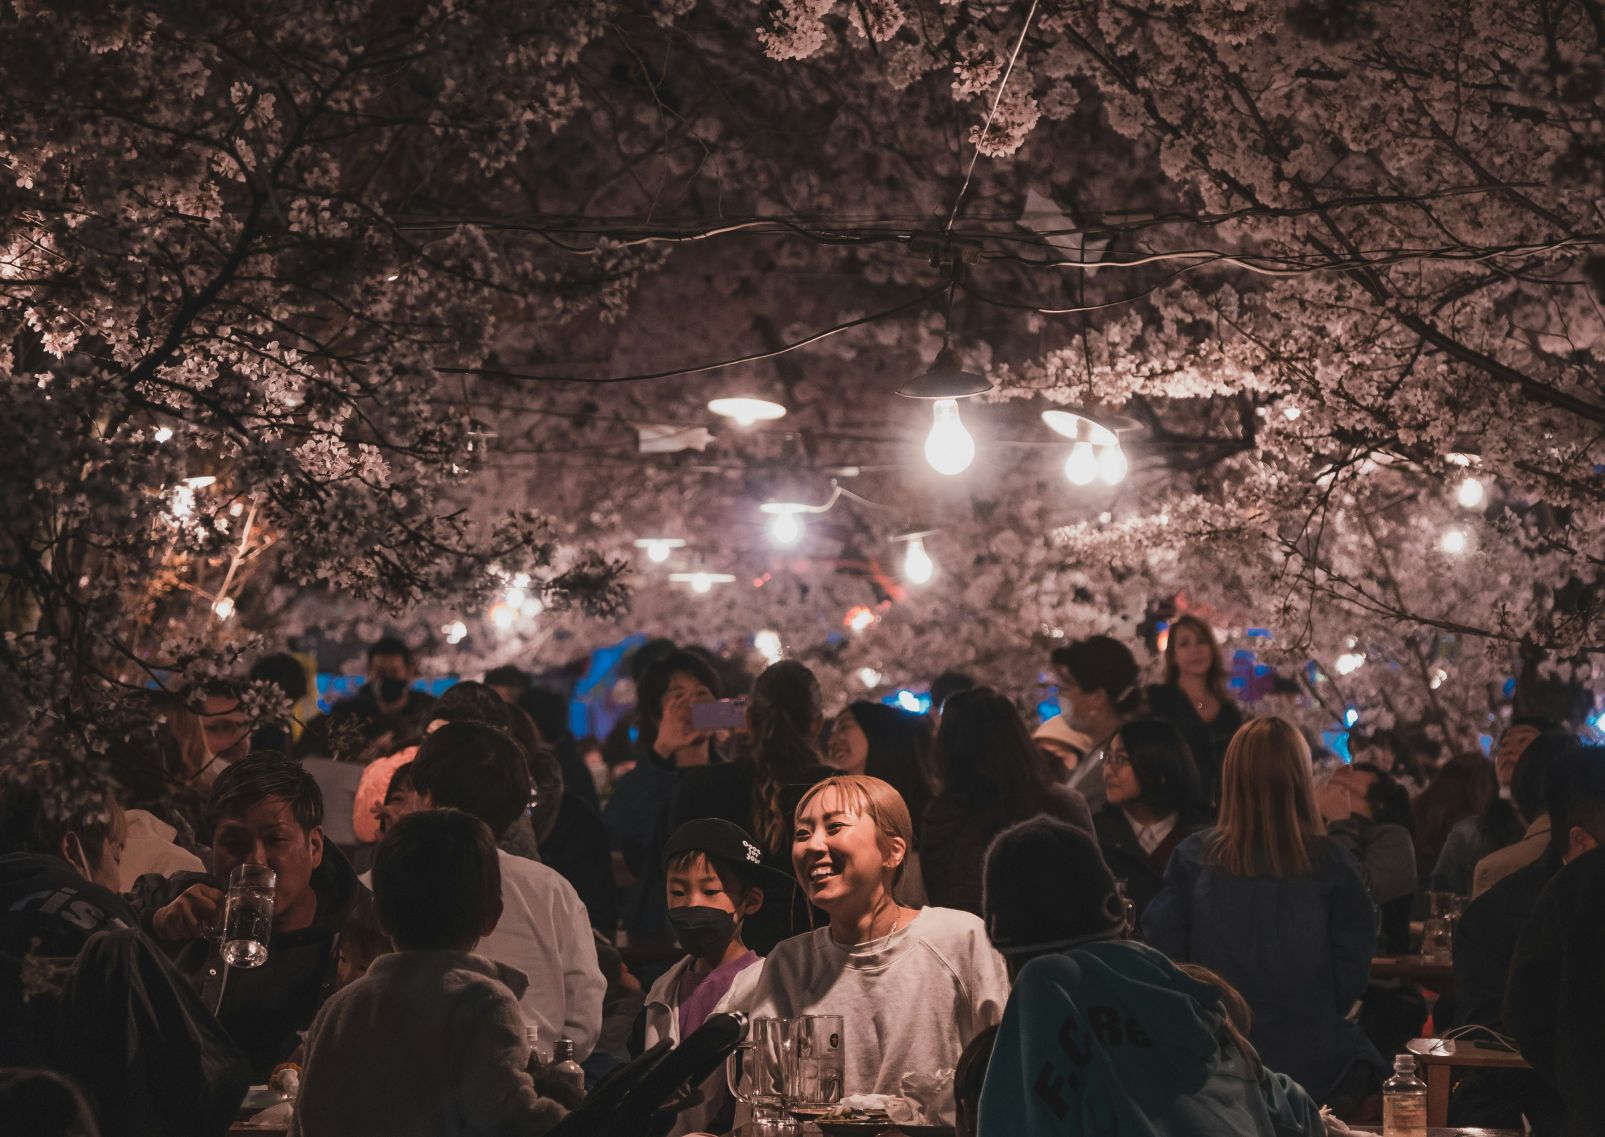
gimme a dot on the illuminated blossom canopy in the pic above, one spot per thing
(439, 297)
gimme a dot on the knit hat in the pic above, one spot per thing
(1058, 729)
(1046, 887)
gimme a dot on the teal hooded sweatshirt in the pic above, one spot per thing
(1110, 1039)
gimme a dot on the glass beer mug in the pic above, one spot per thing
(248, 916)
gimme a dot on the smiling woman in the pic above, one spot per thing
(913, 986)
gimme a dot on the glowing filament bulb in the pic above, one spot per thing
(949, 448)
(1112, 465)
(1082, 465)
(1470, 493)
(786, 529)
(918, 568)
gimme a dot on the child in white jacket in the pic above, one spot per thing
(713, 873)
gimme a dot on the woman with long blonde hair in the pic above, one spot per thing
(1280, 910)
(913, 986)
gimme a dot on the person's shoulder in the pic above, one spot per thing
(950, 926)
(529, 876)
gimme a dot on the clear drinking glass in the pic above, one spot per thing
(248, 916)
(758, 1069)
(815, 1083)
(1437, 940)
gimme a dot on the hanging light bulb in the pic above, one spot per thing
(701, 582)
(1112, 465)
(658, 548)
(1455, 541)
(949, 448)
(1082, 465)
(223, 608)
(1470, 493)
(747, 410)
(918, 568)
(768, 644)
(786, 528)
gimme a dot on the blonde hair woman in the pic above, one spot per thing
(913, 986)
(1266, 899)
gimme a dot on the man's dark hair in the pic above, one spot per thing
(1529, 782)
(653, 685)
(475, 768)
(1575, 795)
(948, 684)
(284, 671)
(258, 778)
(1389, 801)
(469, 701)
(507, 676)
(390, 645)
(400, 781)
(436, 880)
(37, 811)
(549, 710)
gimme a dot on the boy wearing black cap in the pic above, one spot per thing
(713, 869)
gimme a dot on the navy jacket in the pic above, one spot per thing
(1299, 949)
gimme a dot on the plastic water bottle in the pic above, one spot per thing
(1404, 1101)
(569, 1071)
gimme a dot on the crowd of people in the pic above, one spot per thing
(1152, 912)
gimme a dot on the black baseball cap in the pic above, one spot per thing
(718, 837)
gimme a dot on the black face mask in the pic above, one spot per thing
(392, 690)
(704, 932)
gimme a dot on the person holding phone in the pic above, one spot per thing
(637, 815)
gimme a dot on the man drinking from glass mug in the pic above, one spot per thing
(263, 810)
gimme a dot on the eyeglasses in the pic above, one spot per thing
(1116, 761)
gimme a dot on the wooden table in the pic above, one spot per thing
(1441, 1056)
(1438, 976)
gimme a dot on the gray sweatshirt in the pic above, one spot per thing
(910, 1002)
(426, 1044)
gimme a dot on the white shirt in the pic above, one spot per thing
(545, 932)
(910, 1002)
(150, 848)
(662, 1014)
(1151, 836)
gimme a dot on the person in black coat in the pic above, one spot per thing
(83, 992)
(992, 776)
(1151, 806)
(1554, 1003)
(1193, 698)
